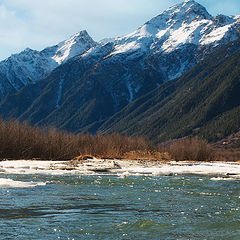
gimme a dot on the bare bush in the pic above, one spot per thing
(20, 140)
(193, 149)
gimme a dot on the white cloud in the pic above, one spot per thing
(39, 23)
(12, 31)
(8, 23)
(55, 15)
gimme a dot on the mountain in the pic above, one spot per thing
(30, 65)
(204, 102)
(88, 89)
(178, 38)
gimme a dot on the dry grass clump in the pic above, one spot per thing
(190, 149)
(147, 155)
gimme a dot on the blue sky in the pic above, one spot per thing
(40, 23)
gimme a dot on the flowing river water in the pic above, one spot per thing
(112, 207)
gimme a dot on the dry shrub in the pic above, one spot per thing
(193, 149)
(231, 154)
(115, 145)
(20, 140)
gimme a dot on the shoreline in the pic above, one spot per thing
(226, 170)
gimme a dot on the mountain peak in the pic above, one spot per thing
(75, 45)
(83, 32)
(28, 50)
(185, 12)
(190, 1)
(82, 35)
(188, 10)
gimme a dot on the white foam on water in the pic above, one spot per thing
(9, 183)
(225, 178)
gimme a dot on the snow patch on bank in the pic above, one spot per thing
(219, 170)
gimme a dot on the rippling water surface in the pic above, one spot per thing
(110, 207)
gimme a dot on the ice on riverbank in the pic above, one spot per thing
(121, 167)
(9, 183)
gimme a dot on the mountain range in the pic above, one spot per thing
(158, 81)
(30, 65)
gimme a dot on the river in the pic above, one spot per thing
(113, 207)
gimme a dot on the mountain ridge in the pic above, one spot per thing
(88, 89)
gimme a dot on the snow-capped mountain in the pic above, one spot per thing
(185, 23)
(84, 91)
(30, 65)
(162, 49)
(182, 25)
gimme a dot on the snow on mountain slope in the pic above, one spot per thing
(30, 65)
(74, 46)
(185, 23)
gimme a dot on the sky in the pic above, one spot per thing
(40, 23)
